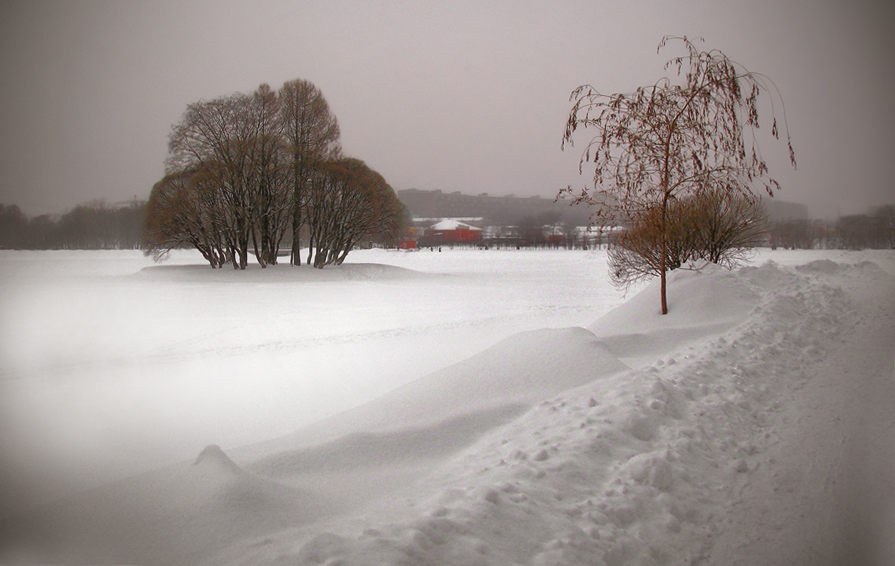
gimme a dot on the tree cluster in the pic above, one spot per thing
(796, 233)
(853, 232)
(91, 226)
(860, 232)
(536, 231)
(245, 171)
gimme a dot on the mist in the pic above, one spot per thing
(463, 96)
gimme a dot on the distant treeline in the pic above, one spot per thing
(91, 226)
(99, 226)
(855, 232)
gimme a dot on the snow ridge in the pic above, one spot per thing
(631, 469)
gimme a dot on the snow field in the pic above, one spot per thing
(635, 439)
(112, 366)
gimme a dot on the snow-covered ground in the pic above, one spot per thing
(463, 407)
(110, 365)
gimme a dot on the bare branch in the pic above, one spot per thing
(681, 136)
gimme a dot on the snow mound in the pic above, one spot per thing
(701, 303)
(382, 449)
(212, 457)
(279, 273)
(708, 296)
(871, 269)
(516, 372)
(822, 266)
(524, 368)
(829, 268)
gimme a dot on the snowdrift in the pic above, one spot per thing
(254, 273)
(704, 303)
(619, 444)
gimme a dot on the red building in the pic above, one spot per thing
(450, 231)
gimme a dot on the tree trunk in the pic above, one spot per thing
(296, 234)
(663, 262)
(662, 286)
(259, 252)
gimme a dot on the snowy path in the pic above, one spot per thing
(826, 492)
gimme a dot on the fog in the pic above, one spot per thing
(457, 96)
(110, 365)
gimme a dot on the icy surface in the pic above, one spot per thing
(464, 408)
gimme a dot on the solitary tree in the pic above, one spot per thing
(681, 135)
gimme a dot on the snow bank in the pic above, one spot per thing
(702, 303)
(519, 370)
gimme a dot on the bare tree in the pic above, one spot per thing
(242, 168)
(214, 138)
(179, 215)
(235, 149)
(368, 209)
(311, 135)
(348, 202)
(672, 138)
(636, 253)
(725, 225)
(268, 187)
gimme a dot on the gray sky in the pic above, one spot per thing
(451, 95)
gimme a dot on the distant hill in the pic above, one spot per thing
(509, 210)
(780, 210)
(495, 210)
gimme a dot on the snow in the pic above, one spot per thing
(467, 407)
(453, 224)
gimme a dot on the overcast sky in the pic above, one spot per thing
(450, 95)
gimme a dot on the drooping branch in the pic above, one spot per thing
(681, 136)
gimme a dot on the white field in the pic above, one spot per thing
(112, 365)
(510, 408)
